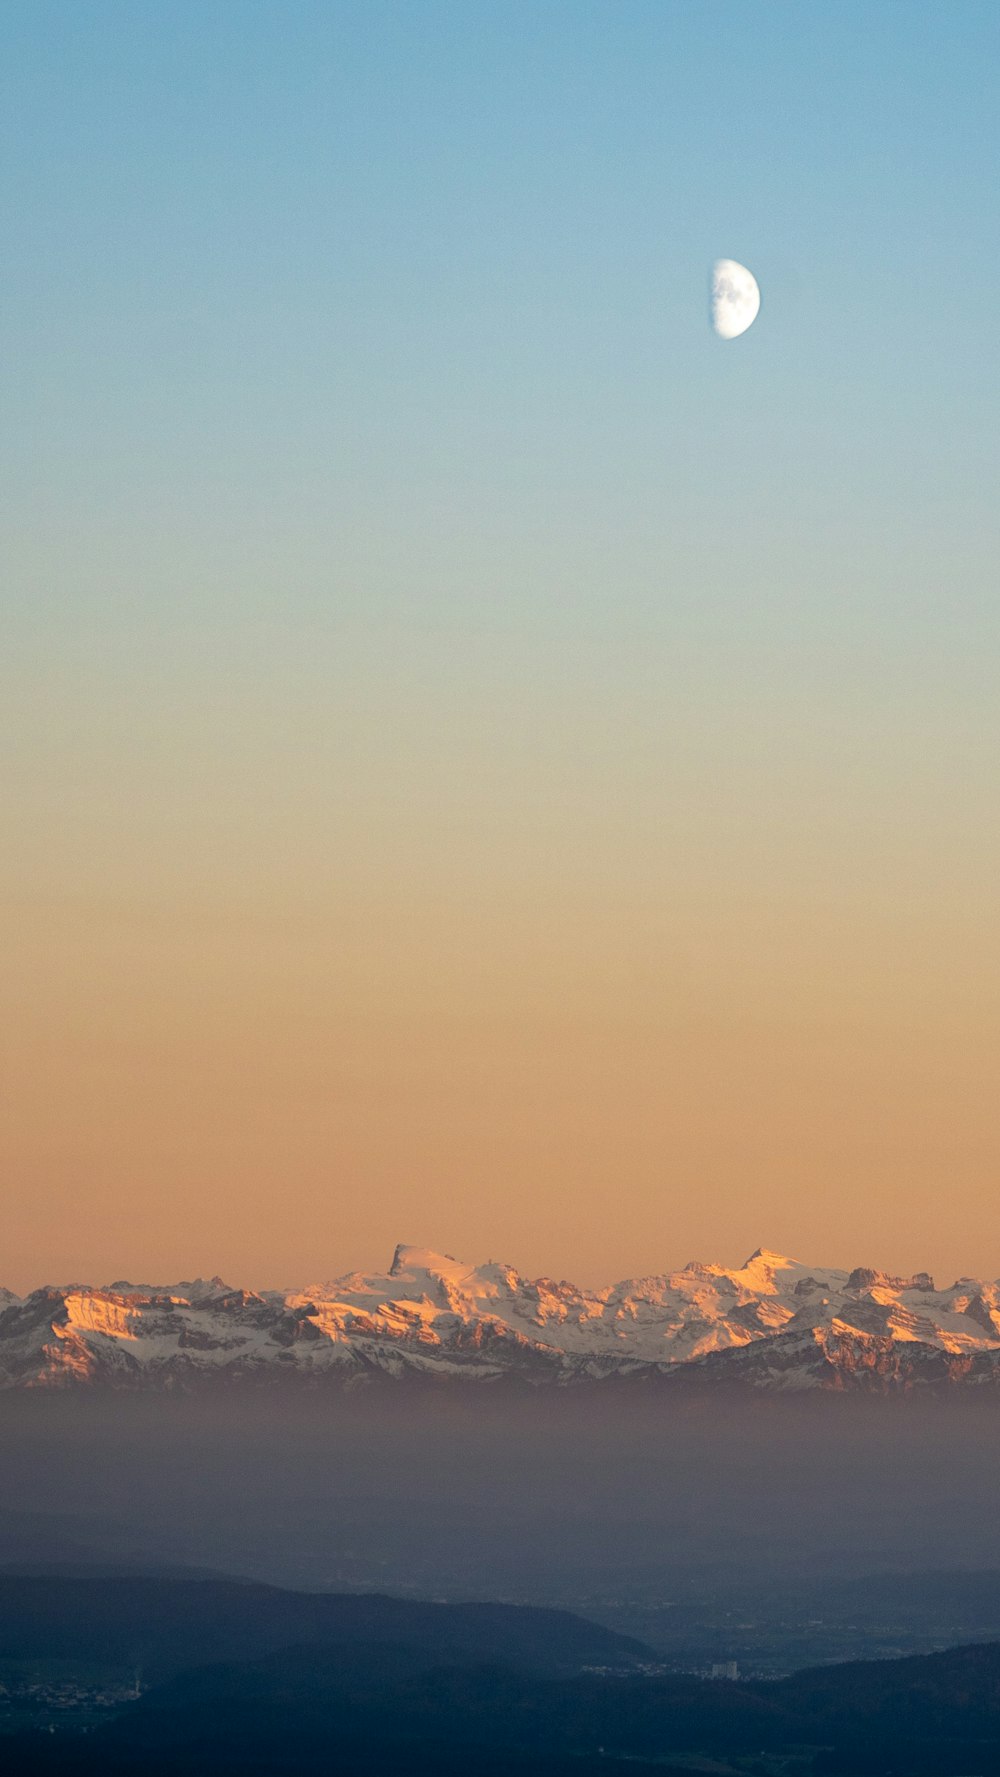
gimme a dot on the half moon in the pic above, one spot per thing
(735, 298)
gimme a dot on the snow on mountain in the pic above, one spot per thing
(773, 1324)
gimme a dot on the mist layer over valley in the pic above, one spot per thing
(770, 1530)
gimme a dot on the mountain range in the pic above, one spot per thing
(774, 1325)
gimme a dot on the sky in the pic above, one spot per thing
(486, 763)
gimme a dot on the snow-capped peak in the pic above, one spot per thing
(767, 1257)
(408, 1259)
(773, 1322)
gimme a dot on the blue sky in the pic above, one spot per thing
(452, 252)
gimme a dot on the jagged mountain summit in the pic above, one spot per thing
(773, 1325)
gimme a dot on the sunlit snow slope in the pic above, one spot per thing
(774, 1324)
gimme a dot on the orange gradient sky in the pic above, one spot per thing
(595, 981)
(485, 763)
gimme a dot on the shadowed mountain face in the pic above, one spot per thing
(774, 1325)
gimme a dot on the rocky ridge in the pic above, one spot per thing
(774, 1325)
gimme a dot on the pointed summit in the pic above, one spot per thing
(765, 1255)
